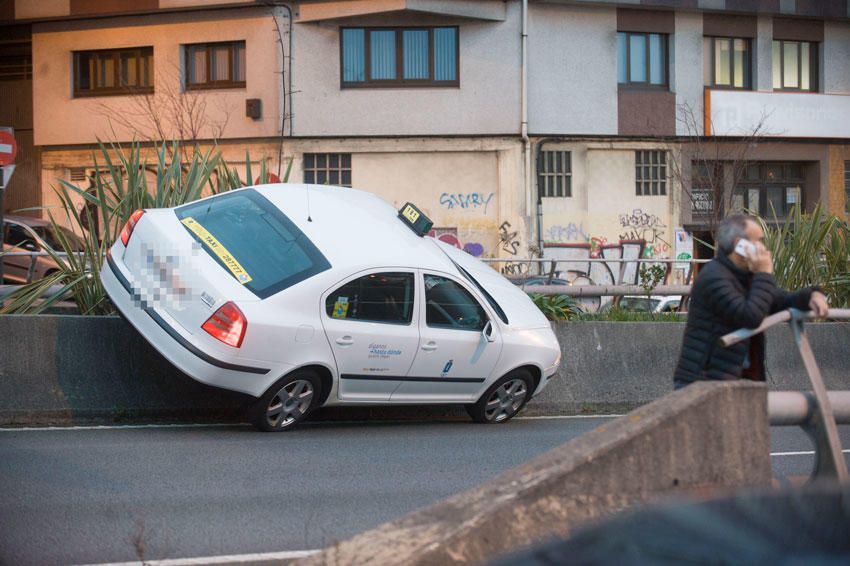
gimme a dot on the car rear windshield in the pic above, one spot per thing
(253, 240)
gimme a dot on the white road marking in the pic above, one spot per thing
(560, 417)
(231, 559)
(119, 427)
(212, 425)
(802, 453)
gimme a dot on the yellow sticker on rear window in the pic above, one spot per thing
(218, 249)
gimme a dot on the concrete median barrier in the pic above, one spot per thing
(58, 369)
(690, 439)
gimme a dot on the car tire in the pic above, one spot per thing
(287, 402)
(504, 399)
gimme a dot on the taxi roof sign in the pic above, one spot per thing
(415, 219)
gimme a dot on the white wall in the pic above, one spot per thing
(572, 70)
(836, 45)
(687, 76)
(487, 101)
(60, 119)
(782, 114)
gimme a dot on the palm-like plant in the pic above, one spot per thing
(114, 195)
(811, 249)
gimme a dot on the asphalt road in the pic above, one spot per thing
(112, 495)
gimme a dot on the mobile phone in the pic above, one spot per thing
(745, 248)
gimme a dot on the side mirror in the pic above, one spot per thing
(487, 331)
(30, 245)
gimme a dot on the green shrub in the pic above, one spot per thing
(556, 307)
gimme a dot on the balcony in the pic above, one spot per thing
(776, 114)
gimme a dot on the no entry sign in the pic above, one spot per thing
(8, 148)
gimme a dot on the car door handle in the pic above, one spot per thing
(429, 347)
(345, 341)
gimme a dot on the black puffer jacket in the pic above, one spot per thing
(726, 298)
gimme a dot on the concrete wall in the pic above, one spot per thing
(572, 70)
(77, 369)
(689, 440)
(61, 119)
(486, 102)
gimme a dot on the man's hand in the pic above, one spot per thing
(760, 261)
(818, 304)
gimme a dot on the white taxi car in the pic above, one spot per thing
(306, 295)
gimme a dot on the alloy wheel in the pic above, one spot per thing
(290, 403)
(506, 400)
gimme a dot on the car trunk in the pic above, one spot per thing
(170, 272)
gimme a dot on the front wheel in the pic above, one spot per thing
(503, 399)
(287, 402)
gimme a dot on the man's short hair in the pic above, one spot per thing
(729, 230)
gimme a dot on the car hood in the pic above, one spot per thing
(522, 313)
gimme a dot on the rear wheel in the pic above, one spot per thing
(287, 402)
(503, 399)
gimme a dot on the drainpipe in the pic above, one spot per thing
(526, 143)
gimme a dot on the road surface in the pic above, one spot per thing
(78, 496)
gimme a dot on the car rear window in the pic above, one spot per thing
(253, 241)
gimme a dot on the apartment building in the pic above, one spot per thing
(586, 128)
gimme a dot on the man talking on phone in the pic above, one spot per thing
(735, 290)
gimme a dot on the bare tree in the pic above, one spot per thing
(170, 113)
(710, 168)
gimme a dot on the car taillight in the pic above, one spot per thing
(127, 231)
(228, 324)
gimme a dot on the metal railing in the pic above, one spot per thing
(818, 411)
(33, 259)
(579, 274)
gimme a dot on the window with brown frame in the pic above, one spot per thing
(642, 59)
(215, 65)
(393, 57)
(795, 65)
(727, 62)
(113, 72)
(328, 169)
(650, 173)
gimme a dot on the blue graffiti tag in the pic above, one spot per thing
(466, 200)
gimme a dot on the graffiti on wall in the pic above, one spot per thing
(466, 201)
(508, 239)
(449, 236)
(572, 232)
(640, 225)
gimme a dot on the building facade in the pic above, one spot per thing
(582, 128)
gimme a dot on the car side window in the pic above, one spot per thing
(377, 297)
(16, 235)
(449, 305)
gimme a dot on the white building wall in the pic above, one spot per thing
(836, 57)
(763, 64)
(487, 101)
(687, 75)
(572, 70)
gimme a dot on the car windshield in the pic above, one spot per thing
(253, 240)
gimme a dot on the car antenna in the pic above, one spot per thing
(309, 218)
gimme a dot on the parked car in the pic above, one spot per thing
(653, 303)
(19, 235)
(305, 295)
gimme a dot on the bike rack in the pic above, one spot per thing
(813, 413)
